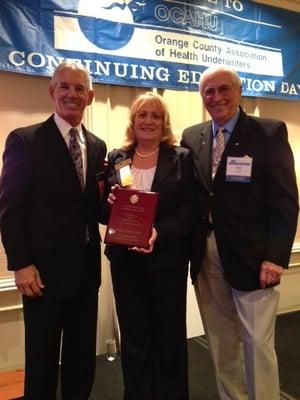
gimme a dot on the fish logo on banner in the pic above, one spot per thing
(112, 21)
(106, 24)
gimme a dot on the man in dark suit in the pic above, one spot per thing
(49, 210)
(247, 197)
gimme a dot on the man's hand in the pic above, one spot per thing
(270, 274)
(28, 281)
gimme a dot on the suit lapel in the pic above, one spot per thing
(91, 158)
(202, 155)
(55, 146)
(165, 163)
(238, 141)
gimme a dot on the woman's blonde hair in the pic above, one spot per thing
(167, 134)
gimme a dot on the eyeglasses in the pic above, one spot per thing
(223, 90)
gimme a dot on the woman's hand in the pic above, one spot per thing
(112, 195)
(151, 244)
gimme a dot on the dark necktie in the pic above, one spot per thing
(76, 155)
(218, 149)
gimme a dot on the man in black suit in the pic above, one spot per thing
(49, 210)
(248, 200)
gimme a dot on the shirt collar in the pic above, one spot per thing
(229, 126)
(64, 128)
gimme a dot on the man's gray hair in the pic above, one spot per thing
(73, 65)
(211, 70)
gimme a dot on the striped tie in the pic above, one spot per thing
(218, 148)
(76, 155)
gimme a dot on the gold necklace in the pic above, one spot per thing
(146, 155)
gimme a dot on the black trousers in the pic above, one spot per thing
(61, 329)
(151, 307)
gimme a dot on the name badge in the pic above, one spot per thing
(125, 176)
(239, 169)
(123, 163)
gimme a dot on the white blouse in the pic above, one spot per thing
(142, 178)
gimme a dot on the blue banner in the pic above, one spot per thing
(163, 44)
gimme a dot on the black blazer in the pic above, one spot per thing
(176, 206)
(253, 221)
(43, 212)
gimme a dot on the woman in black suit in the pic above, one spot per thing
(150, 284)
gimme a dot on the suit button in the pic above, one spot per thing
(211, 193)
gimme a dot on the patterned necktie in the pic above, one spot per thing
(76, 155)
(219, 146)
